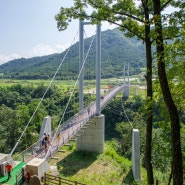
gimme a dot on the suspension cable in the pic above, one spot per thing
(87, 76)
(70, 98)
(126, 114)
(76, 80)
(43, 96)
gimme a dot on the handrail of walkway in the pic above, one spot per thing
(27, 154)
(110, 95)
(69, 128)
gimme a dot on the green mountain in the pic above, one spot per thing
(116, 50)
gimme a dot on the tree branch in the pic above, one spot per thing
(130, 16)
(125, 27)
(125, 14)
(115, 23)
(169, 1)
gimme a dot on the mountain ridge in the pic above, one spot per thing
(116, 50)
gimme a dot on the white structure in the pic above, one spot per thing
(136, 155)
(126, 89)
(98, 65)
(45, 128)
(92, 138)
(37, 167)
(4, 158)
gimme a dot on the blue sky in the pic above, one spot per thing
(28, 28)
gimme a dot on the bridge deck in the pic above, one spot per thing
(64, 133)
(70, 128)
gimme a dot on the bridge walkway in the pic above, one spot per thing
(69, 129)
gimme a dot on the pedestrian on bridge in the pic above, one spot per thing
(45, 142)
(48, 139)
(9, 169)
(58, 139)
(88, 110)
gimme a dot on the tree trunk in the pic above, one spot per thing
(148, 154)
(174, 117)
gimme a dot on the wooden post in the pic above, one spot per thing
(59, 181)
(45, 178)
(157, 182)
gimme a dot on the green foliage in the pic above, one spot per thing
(110, 152)
(121, 133)
(10, 128)
(121, 116)
(18, 104)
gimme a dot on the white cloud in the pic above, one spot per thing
(6, 58)
(38, 50)
(60, 48)
(41, 49)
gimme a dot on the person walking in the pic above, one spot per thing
(9, 169)
(88, 110)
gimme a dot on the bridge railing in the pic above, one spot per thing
(19, 178)
(79, 119)
(28, 154)
(70, 130)
(110, 95)
(71, 126)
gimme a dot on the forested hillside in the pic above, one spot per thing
(116, 50)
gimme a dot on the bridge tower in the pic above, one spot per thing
(93, 137)
(126, 91)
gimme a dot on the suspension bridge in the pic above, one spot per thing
(86, 127)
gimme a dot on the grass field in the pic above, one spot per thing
(136, 88)
(91, 168)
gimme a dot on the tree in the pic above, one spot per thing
(177, 169)
(10, 128)
(136, 20)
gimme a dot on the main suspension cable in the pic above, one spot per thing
(43, 96)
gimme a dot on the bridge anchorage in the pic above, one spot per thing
(86, 128)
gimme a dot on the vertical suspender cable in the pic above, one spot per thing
(69, 99)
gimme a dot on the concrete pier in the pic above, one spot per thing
(92, 139)
(45, 128)
(37, 167)
(136, 155)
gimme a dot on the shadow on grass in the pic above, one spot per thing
(129, 179)
(76, 161)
